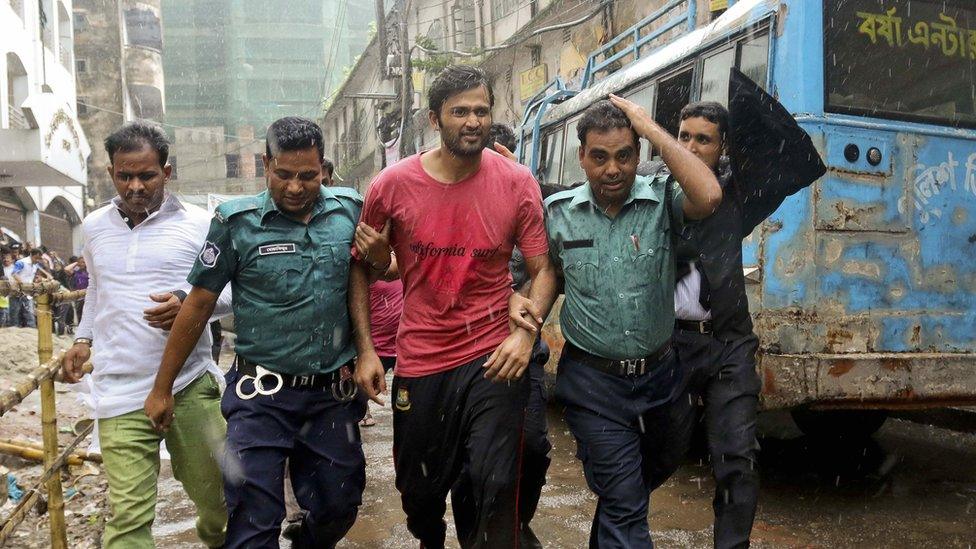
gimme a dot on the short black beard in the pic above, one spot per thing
(455, 149)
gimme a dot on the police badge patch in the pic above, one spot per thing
(403, 399)
(209, 254)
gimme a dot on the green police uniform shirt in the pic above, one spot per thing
(618, 273)
(289, 279)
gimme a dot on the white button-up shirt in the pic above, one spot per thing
(686, 293)
(125, 266)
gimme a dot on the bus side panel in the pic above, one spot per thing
(876, 262)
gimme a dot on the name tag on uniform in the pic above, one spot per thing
(272, 249)
(573, 244)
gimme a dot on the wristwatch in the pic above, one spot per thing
(85, 340)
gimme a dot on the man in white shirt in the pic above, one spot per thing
(139, 250)
(24, 271)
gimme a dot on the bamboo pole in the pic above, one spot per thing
(16, 394)
(35, 453)
(53, 288)
(20, 512)
(49, 425)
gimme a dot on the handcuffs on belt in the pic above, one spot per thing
(344, 390)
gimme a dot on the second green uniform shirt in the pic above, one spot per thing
(619, 272)
(290, 279)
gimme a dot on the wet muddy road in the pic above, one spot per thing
(914, 485)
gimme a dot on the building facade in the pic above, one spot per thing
(43, 148)
(119, 67)
(235, 63)
(521, 45)
(235, 66)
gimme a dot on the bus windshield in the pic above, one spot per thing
(910, 60)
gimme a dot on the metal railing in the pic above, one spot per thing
(635, 43)
(46, 294)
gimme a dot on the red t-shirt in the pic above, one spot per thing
(453, 243)
(385, 306)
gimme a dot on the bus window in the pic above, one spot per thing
(754, 58)
(673, 94)
(525, 151)
(645, 98)
(901, 72)
(572, 172)
(550, 157)
(715, 76)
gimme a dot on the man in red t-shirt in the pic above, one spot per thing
(453, 216)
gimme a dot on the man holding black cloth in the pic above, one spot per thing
(769, 158)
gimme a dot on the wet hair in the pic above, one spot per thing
(602, 116)
(549, 189)
(328, 166)
(135, 135)
(293, 133)
(711, 111)
(504, 134)
(453, 80)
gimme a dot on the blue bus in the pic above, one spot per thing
(863, 286)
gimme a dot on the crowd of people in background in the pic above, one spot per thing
(24, 263)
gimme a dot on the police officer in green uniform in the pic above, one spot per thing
(612, 240)
(301, 316)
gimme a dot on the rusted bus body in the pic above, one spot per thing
(863, 286)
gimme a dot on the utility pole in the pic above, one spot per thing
(406, 88)
(381, 36)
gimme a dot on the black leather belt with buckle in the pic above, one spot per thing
(626, 367)
(698, 326)
(307, 382)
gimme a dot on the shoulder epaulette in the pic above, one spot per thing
(238, 205)
(559, 197)
(347, 192)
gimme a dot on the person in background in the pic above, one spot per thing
(27, 270)
(8, 266)
(385, 309)
(78, 270)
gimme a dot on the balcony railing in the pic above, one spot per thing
(17, 119)
(64, 55)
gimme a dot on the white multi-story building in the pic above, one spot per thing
(43, 150)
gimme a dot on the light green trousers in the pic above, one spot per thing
(130, 451)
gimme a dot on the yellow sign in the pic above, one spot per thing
(715, 5)
(532, 80)
(942, 35)
(419, 79)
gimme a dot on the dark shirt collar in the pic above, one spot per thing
(642, 190)
(326, 203)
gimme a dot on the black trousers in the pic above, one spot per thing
(535, 452)
(453, 423)
(722, 389)
(620, 425)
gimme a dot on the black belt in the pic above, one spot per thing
(306, 382)
(699, 326)
(626, 367)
